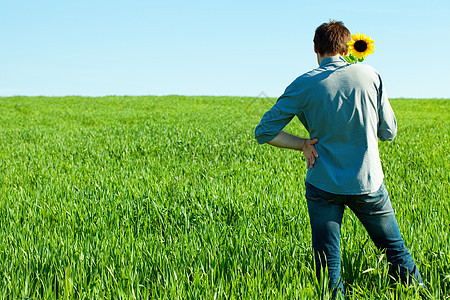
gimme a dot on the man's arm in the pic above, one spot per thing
(270, 128)
(289, 141)
(387, 124)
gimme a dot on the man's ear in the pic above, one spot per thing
(315, 49)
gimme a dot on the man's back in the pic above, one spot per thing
(346, 108)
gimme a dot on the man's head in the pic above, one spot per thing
(331, 39)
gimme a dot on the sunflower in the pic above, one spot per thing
(360, 46)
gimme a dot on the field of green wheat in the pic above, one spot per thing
(172, 198)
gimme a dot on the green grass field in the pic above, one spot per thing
(172, 198)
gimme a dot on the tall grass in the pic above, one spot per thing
(171, 197)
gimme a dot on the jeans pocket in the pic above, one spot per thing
(374, 201)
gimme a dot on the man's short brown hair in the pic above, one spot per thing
(331, 38)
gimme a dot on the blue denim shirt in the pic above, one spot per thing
(346, 107)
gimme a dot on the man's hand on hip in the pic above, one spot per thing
(289, 141)
(310, 152)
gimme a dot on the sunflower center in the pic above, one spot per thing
(360, 46)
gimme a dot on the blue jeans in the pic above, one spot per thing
(375, 212)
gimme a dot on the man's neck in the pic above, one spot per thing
(322, 57)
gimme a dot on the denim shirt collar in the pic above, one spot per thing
(332, 59)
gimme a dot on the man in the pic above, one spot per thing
(345, 109)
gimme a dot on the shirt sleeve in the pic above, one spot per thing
(387, 124)
(278, 116)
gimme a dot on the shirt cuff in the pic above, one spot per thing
(264, 138)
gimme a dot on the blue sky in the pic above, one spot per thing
(241, 48)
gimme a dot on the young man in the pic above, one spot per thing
(345, 109)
